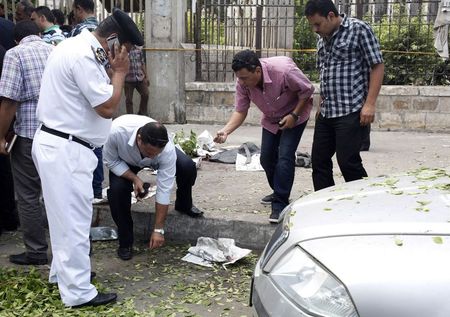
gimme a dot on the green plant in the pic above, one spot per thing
(305, 43)
(405, 43)
(188, 144)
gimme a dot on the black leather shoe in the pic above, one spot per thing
(125, 253)
(24, 259)
(267, 200)
(194, 212)
(100, 299)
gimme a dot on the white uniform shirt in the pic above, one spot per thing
(73, 84)
(121, 150)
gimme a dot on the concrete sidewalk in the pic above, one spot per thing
(231, 199)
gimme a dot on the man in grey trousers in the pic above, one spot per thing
(19, 89)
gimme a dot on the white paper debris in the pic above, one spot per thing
(205, 141)
(253, 165)
(198, 162)
(222, 250)
(196, 260)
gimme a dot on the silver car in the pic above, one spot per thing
(378, 247)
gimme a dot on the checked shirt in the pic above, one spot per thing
(21, 81)
(135, 73)
(344, 62)
(90, 23)
(53, 35)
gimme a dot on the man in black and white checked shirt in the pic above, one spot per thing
(351, 73)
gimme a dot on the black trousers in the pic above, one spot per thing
(343, 136)
(119, 196)
(365, 138)
(8, 215)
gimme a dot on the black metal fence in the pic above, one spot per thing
(220, 28)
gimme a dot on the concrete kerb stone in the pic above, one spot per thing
(248, 230)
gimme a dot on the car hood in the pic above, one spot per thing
(386, 238)
(390, 276)
(413, 203)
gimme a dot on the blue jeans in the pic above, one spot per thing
(97, 180)
(278, 160)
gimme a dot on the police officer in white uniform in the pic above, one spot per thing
(76, 104)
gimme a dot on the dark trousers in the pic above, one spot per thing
(28, 189)
(8, 216)
(365, 139)
(98, 176)
(342, 136)
(119, 196)
(278, 160)
(142, 89)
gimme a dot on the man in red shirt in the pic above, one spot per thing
(284, 95)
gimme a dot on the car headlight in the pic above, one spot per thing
(311, 287)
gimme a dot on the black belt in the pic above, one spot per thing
(67, 136)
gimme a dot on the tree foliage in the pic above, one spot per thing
(406, 43)
(408, 50)
(304, 42)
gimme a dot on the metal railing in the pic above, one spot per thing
(220, 28)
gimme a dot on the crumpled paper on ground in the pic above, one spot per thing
(209, 250)
(205, 145)
(243, 164)
(206, 141)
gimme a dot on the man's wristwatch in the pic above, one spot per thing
(294, 115)
(160, 231)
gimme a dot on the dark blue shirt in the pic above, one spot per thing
(6, 30)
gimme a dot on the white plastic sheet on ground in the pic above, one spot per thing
(209, 250)
(103, 234)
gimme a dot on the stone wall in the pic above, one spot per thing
(421, 108)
